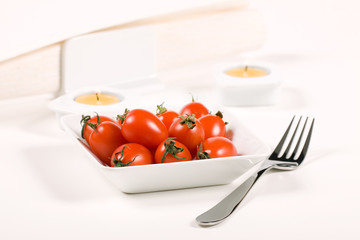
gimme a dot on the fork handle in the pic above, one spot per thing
(225, 207)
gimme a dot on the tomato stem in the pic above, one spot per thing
(220, 115)
(97, 118)
(119, 162)
(172, 149)
(189, 120)
(201, 153)
(85, 121)
(160, 109)
(122, 117)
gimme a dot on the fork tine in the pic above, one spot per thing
(283, 157)
(306, 144)
(278, 148)
(298, 143)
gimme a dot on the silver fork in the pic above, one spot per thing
(227, 206)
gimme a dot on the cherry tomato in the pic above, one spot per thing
(166, 116)
(214, 126)
(188, 131)
(105, 139)
(89, 123)
(194, 108)
(216, 147)
(131, 154)
(143, 127)
(171, 150)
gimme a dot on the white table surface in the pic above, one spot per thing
(49, 190)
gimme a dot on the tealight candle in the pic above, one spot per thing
(247, 85)
(246, 72)
(102, 100)
(97, 98)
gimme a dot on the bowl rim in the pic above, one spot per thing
(64, 122)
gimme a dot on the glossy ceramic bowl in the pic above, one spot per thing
(169, 176)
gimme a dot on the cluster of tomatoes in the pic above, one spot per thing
(140, 137)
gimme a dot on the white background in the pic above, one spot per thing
(48, 189)
(29, 25)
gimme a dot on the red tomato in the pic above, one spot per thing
(214, 125)
(188, 131)
(166, 116)
(89, 123)
(131, 154)
(143, 127)
(105, 139)
(194, 108)
(171, 150)
(216, 147)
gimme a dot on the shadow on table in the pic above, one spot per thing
(66, 174)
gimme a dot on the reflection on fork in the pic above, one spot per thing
(288, 155)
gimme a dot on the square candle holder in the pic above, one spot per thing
(120, 63)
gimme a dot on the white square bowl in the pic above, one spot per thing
(169, 176)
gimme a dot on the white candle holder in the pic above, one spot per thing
(120, 63)
(250, 91)
(66, 103)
